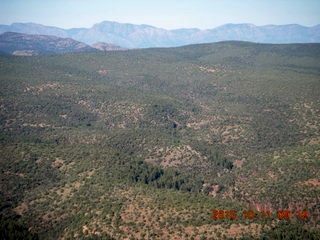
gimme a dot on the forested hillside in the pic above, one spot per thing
(144, 144)
(19, 44)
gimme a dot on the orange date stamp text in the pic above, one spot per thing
(250, 214)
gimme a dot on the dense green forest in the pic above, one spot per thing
(144, 144)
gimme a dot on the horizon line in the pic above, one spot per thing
(203, 29)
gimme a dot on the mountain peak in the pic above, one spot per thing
(142, 36)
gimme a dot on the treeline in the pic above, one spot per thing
(11, 230)
(214, 155)
(171, 178)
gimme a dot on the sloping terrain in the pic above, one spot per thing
(144, 144)
(28, 45)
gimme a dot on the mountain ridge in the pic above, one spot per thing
(143, 36)
(29, 44)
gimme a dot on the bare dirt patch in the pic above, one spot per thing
(40, 88)
(21, 208)
(238, 163)
(312, 182)
(103, 71)
(175, 156)
(315, 141)
(57, 163)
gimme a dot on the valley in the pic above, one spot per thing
(145, 143)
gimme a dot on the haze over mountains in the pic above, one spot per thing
(144, 36)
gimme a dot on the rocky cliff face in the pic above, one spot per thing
(107, 47)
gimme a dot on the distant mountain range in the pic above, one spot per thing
(143, 36)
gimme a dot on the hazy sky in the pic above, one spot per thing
(169, 14)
